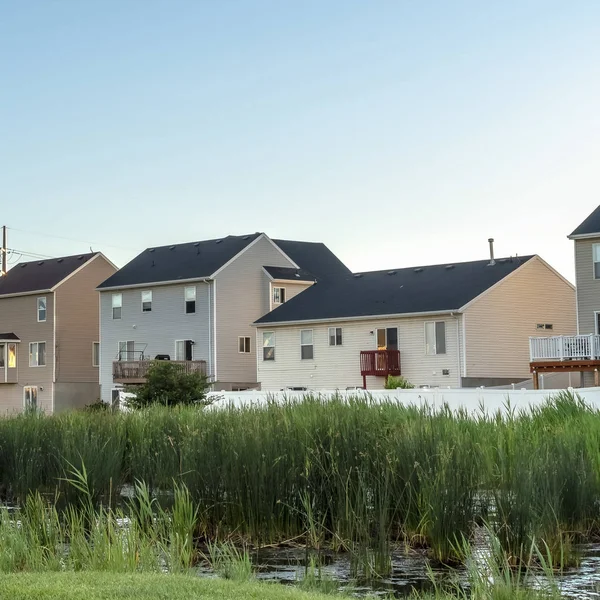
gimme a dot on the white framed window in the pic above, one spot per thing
(306, 344)
(147, 301)
(37, 354)
(126, 350)
(184, 350)
(596, 260)
(117, 305)
(190, 299)
(435, 337)
(244, 344)
(335, 336)
(544, 326)
(12, 356)
(268, 345)
(278, 295)
(30, 397)
(95, 354)
(41, 309)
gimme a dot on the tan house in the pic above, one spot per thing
(49, 348)
(463, 324)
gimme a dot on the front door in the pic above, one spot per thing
(184, 350)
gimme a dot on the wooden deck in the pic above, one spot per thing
(379, 363)
(556, 366)
(136, 371)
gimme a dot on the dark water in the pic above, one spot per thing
(410, 572)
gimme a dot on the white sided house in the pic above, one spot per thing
(454, 325)
(195, 303)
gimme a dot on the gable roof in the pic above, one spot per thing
(429, 289)
(9, 337)
(590, 225)
(289, 273)
(314, 257)
(41, 275)
(193, 260)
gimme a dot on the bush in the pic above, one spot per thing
(398, 383)
(169, 384)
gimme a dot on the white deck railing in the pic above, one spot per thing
(564, 347)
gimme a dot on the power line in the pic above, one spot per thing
(26, 253)
(60, 237)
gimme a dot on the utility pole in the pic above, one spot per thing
(4, 251)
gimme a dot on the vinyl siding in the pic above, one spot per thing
(339, 366)
(243, 295)
(588, 288)
(77, 323)
(155, 332)
(19, 315)
(292, 289)
(499, 324)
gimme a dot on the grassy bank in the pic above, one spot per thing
(350, 475)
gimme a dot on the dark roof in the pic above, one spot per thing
(8, 337)
(435, 288)
(41, 274)
(314, 257)
(289, 273)
(590, 225)
(179, 261)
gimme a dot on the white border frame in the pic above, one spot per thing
(244, 337)
(142, 301)
(38, 355)
(37, 306)
(312, 340)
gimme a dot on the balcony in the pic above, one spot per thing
(379, 363)
(136, 371)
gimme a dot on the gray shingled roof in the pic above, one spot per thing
(314, 257)
(289, 273)
(39, 275)
(9, 337)
(590, 225)
(435, 288)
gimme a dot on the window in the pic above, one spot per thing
(184, 350)
(544, 326)
(190, 300)
(126, 350)
(243, 345)
(30, 397)
(435, 337)
(95, 354)
(147, 301)
(115, 397)
(306, 344)
(596, 259)
(268, 345)
(117, 304)
(387, 339)
(278, 295)
(12, 356)
(41, 310)
(2, 356)
(37, 354)
(335, 336)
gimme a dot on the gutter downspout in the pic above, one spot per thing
(456, 320)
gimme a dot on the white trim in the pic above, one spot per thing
(464, 336)
(154, 284)
(38, 355)
(245, 337)
(361, 318)
(278, 287)
(267, 273)
(274, 346)
(312, 343)
(32, 293)
(93, 344)
(37, 396)
(576, 287)
(112, 307)
(594, 278)
(436, 353)
(142, 301)
(184, 340)
(584, 236)
(458, 352)
(53, 345)
(73, 273)
(335, 328)
(185, 300)
(37, 306)
(214, 284)
(596, 313)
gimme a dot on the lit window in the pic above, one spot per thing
(268, 345)
(335, 336)
(435, 337)
(190, 300)
(278, 295)
(244, 345)
(41, 310)
(117, 305)
(37, 354)
(147, 301)
(306, 344)
(12, 356)
(96, 354)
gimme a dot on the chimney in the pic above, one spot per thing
(492, 261)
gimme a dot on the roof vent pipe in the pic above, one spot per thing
(492, 261)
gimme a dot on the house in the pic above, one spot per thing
(579, 350)
(463, 324)
(195, 303)
(49, 348)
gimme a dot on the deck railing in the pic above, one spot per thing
(564, 347)
(379, 363)
(136, 371)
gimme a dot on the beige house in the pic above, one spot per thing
(195, 303)
(464, 324)
(49, 348)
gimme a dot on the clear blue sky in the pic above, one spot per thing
(398, 132)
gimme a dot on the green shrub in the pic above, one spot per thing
(169, 384)
(398, 383)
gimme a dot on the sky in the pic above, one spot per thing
(399, 133)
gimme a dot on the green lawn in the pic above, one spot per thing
(109, 586)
